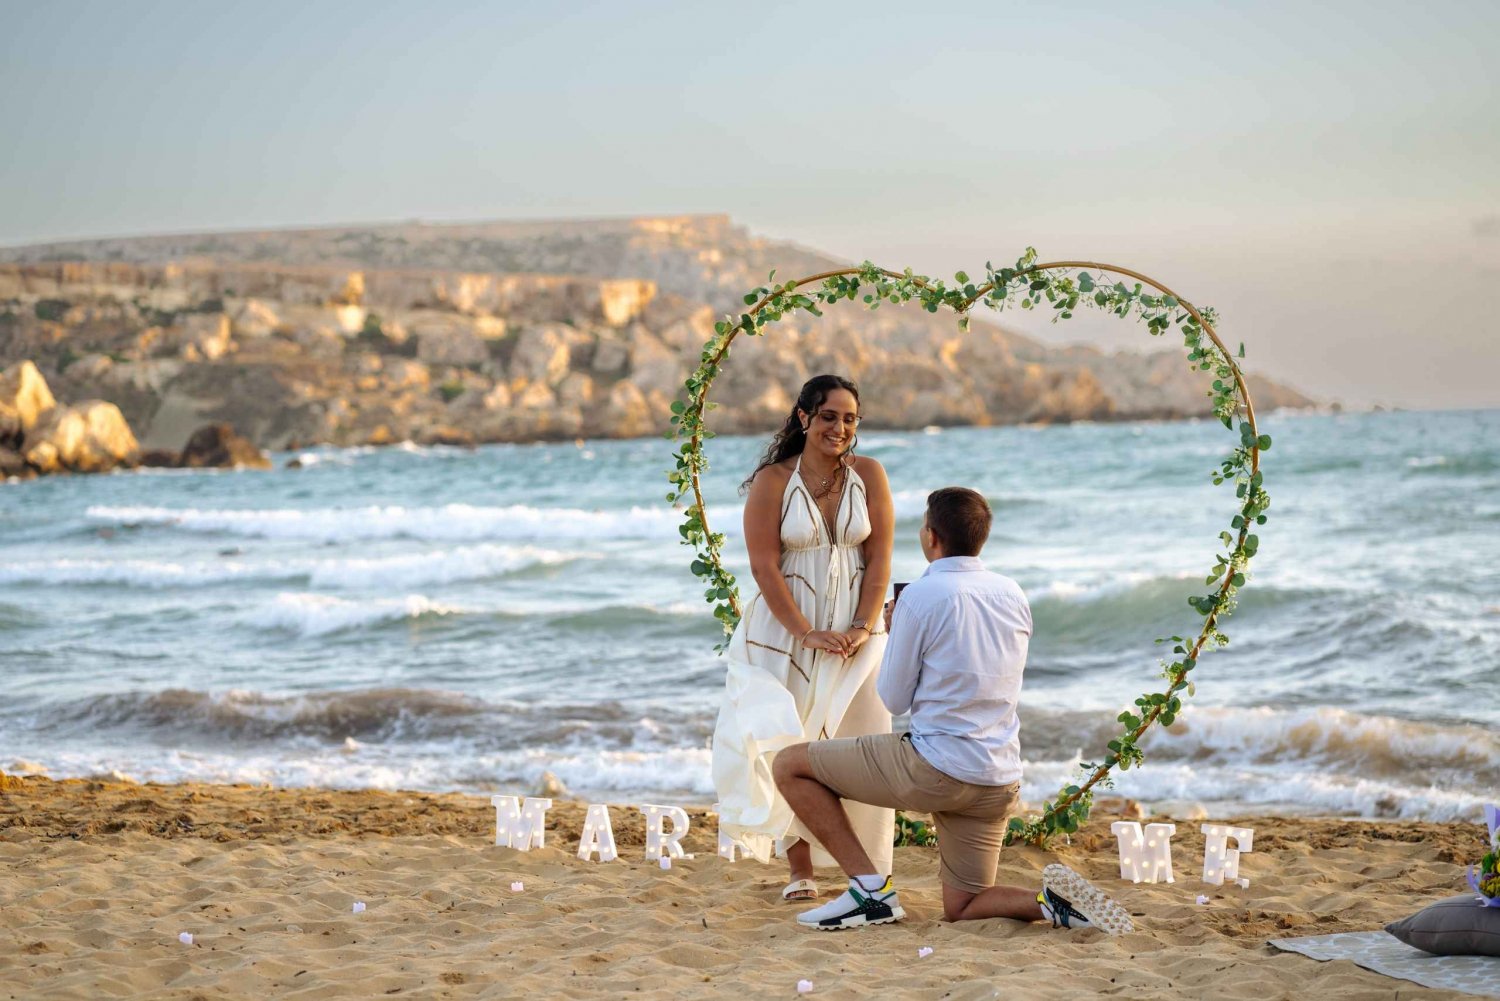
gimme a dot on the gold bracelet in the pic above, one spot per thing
(810, 630)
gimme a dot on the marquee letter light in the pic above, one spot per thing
(728, 847)
(660, 844)
(598, 835)
(1220, 862)
(1145, 857)
(518, 825)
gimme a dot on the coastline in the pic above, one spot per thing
(101, 877)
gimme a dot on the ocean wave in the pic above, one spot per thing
(321, 614)
(911, 505)
(450, 522)
(480, 562)
(606, 617)
(443, 566)
(1230, 789)
(1451, 465)
(1341, 741)
(138, 573)
(622, 777)
(392, 716)
(311, 614)
(1320, 758)
(1102, 611)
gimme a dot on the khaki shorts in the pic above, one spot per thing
(884, 769)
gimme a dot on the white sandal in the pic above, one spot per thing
(799, 886)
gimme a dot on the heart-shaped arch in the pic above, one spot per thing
(1033, 285)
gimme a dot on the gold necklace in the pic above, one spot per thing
(828, 484)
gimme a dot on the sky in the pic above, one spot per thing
(1326, 175)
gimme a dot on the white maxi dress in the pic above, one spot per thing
(777, 694)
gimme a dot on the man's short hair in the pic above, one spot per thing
(960, 518)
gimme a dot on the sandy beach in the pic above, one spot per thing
(100, 878)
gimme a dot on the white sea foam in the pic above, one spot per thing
(1302, 790)
(1352, 742)
(1286, 771)
(1318, 759)
(684, 772)
(681, 772)
(1082, 592)
(450, 522)
(442, 566)
(320, 614)
(308, 614)
(438, 567)
(139, 573)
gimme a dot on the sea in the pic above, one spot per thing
(454, 619)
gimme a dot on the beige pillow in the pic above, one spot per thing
(1457, 926)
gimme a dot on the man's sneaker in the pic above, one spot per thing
(1070, 901)
(855, 909)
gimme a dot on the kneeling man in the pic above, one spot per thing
(957, 649)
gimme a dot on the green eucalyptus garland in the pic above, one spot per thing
(1062, 287)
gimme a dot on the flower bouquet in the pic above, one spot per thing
(1486, 880)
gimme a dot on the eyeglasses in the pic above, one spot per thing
(830, 418)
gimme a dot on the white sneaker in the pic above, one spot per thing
(856, 908)
(1070, 901)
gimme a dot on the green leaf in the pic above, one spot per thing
(750, 298)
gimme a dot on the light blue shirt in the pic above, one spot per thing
(954, 659)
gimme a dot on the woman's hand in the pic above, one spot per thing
(855, 638)
(829, 640)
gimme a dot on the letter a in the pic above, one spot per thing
(598, 835)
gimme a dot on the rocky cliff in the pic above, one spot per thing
(511, 332)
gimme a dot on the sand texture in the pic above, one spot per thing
(98, 879)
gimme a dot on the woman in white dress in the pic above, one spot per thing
(802, 663)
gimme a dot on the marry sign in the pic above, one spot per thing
(1145, 855)
(521, 824)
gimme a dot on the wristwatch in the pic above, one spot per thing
(861, 624)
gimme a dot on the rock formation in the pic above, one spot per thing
(89, 437)
(217, 446)
(510, 332)
(39, 436)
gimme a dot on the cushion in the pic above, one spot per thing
(1457, 926)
